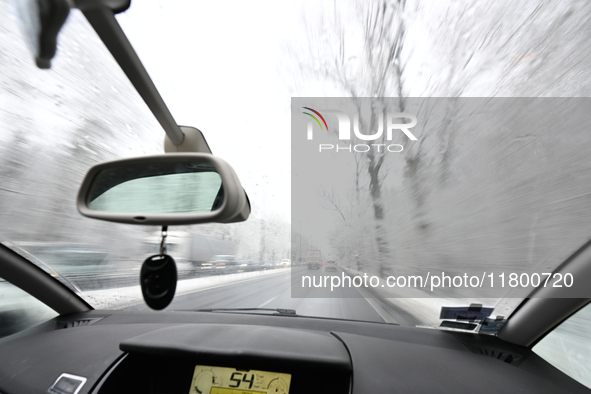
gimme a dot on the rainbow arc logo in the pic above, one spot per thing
(315, 118)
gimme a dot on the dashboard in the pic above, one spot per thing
(234, 353)
(230, 359)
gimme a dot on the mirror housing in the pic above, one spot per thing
(226, 202)
(193, 141)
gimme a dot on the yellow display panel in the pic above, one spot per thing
(218, 390)
(222, 380)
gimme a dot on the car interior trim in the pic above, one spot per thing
(32, 279)
(547, 307)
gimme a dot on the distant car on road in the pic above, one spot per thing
(220, 264)
(313, 259)
(248, 265)
(67, 260)
(285, 263)
(184, 267)
(330, 266)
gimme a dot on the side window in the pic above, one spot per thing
(568, 347)
(19, 310)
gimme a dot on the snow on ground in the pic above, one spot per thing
(128, 296)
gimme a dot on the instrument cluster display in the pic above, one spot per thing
(223, 380)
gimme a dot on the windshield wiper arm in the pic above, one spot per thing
(280, 311)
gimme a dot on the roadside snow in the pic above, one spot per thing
(124, 297)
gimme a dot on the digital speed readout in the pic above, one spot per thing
(223, 380)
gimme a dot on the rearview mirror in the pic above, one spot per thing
(170, 189)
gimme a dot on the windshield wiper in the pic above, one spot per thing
(280, 311)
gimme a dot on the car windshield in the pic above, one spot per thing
(468, 183)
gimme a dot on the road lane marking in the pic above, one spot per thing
(266, 302)
(215, 286)
(383, 314)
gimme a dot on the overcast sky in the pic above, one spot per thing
(230, 87)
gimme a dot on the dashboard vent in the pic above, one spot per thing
(77, 323)
(491, 346)
(505, 356)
